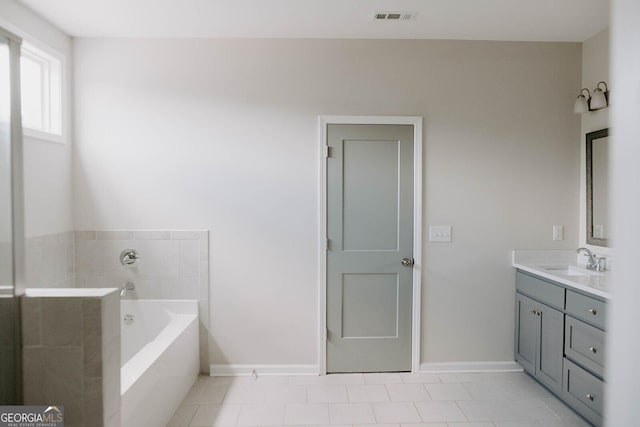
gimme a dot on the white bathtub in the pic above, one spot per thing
(159, 359)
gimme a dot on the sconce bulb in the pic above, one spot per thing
(581, 106)
(599, 100)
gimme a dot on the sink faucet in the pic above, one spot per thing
(592, 264)
(126, 288)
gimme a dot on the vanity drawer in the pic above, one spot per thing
(541, 290)
(586, 308)
(583, 392)
(584, 344)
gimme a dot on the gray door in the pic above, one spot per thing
(370, 231)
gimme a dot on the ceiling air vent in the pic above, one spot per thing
(394, 16)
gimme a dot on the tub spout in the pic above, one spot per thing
(126, 288)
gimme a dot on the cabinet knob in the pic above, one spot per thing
(590, 397)
(592, 311)
(593, 350)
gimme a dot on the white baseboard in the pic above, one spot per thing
(440, 368)
(462, 367)
(241, 370)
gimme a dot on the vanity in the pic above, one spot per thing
(560, 327)
(560, 316)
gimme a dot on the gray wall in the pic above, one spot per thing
(223, 135)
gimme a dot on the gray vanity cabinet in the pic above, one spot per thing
(585, 355)
(539, 341)
(560, 341)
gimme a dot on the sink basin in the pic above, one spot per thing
(570, 270)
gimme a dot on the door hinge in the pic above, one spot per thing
(327, 151)
(326, 244)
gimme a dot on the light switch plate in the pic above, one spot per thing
(558, 232)
(440, 233)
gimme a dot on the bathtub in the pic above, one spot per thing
(160, 359)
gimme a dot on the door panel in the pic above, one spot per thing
(370, 305)
(527, 331)
(370, 195)
(370, 229)
(551, 348)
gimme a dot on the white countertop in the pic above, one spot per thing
(538, 262)
(69, 292)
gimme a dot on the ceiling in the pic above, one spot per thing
(519, 20)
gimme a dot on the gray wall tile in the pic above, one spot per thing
(188, 234)
(189, 258)
(62, 321)
(31, 321)
(52, 374)
(111, 377)
(93, 406)
(92, 337)
(114, 235)
(152, 235)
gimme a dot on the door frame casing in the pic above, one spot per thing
(416, 122)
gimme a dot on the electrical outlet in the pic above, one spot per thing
(558, 232)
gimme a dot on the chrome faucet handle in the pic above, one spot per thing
(592, 263)
(126, 287)
(601, 263)
(128, 257)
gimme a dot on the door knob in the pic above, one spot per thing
(407, 262)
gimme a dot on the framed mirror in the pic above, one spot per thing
(598, 215)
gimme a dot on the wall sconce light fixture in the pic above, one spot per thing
(582, 103)
(598, 101)
(600, 98)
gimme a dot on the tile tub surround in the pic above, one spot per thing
(49, 260)
(71, 354)
(358, 400)
(174, 264)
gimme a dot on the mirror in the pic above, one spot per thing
(598, 215)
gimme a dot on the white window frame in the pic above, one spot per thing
(53, 116)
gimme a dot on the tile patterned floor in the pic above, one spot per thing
(382, 400)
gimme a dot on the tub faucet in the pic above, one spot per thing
(592, 264)
(126, 288)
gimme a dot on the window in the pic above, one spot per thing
(41, 93)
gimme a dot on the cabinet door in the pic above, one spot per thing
(551, 348)
(526, 333)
